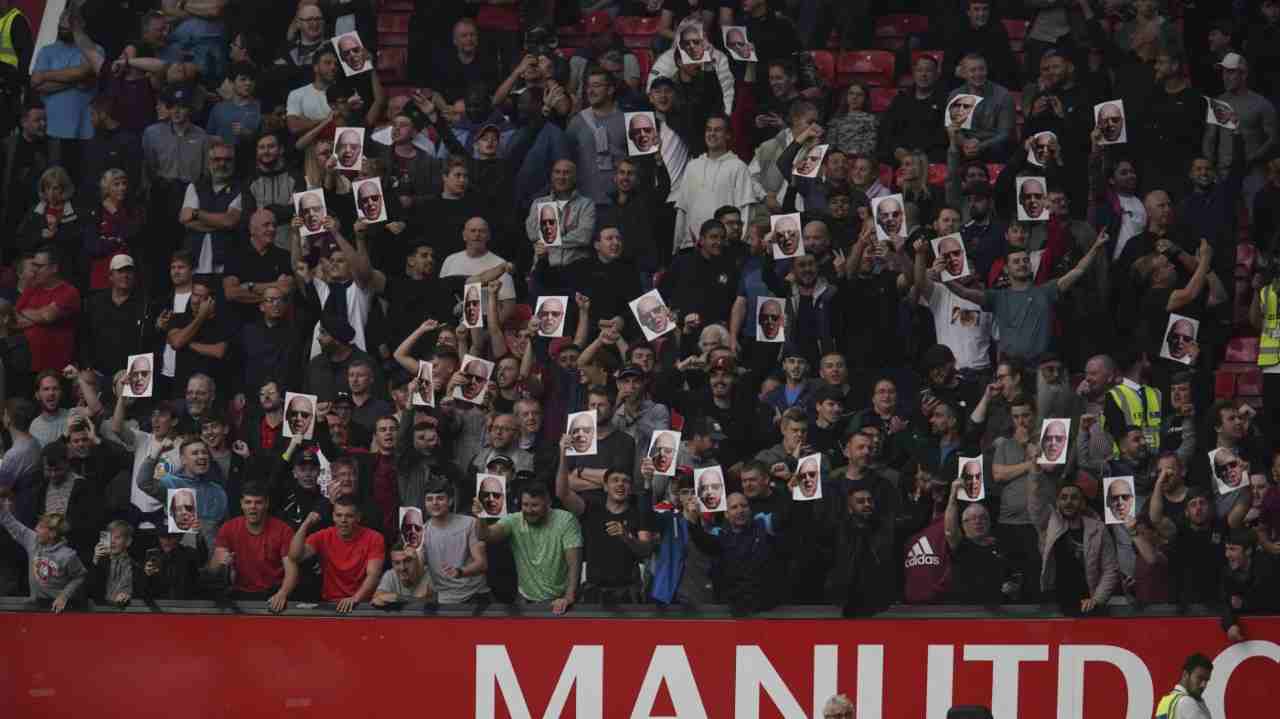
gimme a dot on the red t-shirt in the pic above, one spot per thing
(344, 561)
(53, 345)
(259, 559)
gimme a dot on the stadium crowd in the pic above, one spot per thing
(684, 317)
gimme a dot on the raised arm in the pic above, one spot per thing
(1066, 281)
(568, 497)
(1186, 295)
(362, 270)
(952, 518)
(299, 550)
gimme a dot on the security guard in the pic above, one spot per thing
(15, 38)
(1133, 404)
(1184, 701)
(1264, 314)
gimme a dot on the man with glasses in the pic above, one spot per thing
(271, 346)
(307, 35)
(598, 134)
(211, 210)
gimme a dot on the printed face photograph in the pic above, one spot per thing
(652, 314)
(426, 394)
(1054, 436)
(642, 133)
(786, 230)
(890, 218)
(310, 207)
(299, 414)
(138, 380)
(351, 53)
(736, 42)
(476, 373)
(349, 147)
(1031, 200)
(1043, 146)
(491, 489)
(411, 527)
(369, 203)
(1109, 118)
(663, 449)
(1228, 470)
(549, 223)
(693, 46)
(810, 162)
(582, 433)
(955, 263)
(971, 473)
(770, 319)
(708, 484)
(182, 510)
(472, 306)
(960, 111)
(1221, 113)
(1119, 499)
(550, 315)
(965, 318)
(1179, 337)
(808, 479)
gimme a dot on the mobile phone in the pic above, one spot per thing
(153, 555)
(104, 538)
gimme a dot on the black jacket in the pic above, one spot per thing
(913, 123)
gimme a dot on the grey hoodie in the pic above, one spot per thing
(56, 569)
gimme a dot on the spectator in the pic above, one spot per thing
(406, 581)
(27, 154)
(115, 576)
(1077, 554)
(351, 555)
(547, 544)
(452, 550)
(61, 574)
(991, 137)
(211, 498)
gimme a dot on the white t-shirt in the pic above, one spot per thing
(308, 102)
(1133, 221)
(204, 263)
(169, 358)
(960, 325)
(359, 300)
(459, 263)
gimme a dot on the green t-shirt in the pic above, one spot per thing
(539, 552)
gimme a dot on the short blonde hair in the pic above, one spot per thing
(108, 177)
(57, 175)
(56, 522)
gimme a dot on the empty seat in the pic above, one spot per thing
(892, 30)
(937, 174)
(1017, 30)
(874, 67)
(825, 62)
(636, 31)
(1249, 383)
(881, 97)
(1242, 349)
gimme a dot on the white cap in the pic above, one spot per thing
(1233, 61)
(120, 262)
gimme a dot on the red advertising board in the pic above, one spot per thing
(143, 665)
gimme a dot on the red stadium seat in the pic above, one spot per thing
(938, 174)
(826, 64)
(644, 57)
(993, 170)
(892, 30)
(1249, 383)
(677, 421)
(1242, 349)
(874, 67)
(881, 97)
(636, 31)
(1017, 30)
(886, 175)
(566, 52)
(1224, 384)
(597, 22)
(391, 63)
(392, 22)
(1246, 259)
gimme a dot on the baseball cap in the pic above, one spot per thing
(500, 459)
(723, 363)
(306, 456)
(631, 370)
(120, 262)
(790, 350)
(707, 427)
(338, 328)
(487, 127)
(662, 80)
(1232, 61)
(180, 95)
(343, 398)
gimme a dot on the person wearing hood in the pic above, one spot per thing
(56, 572)
(211, 498)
